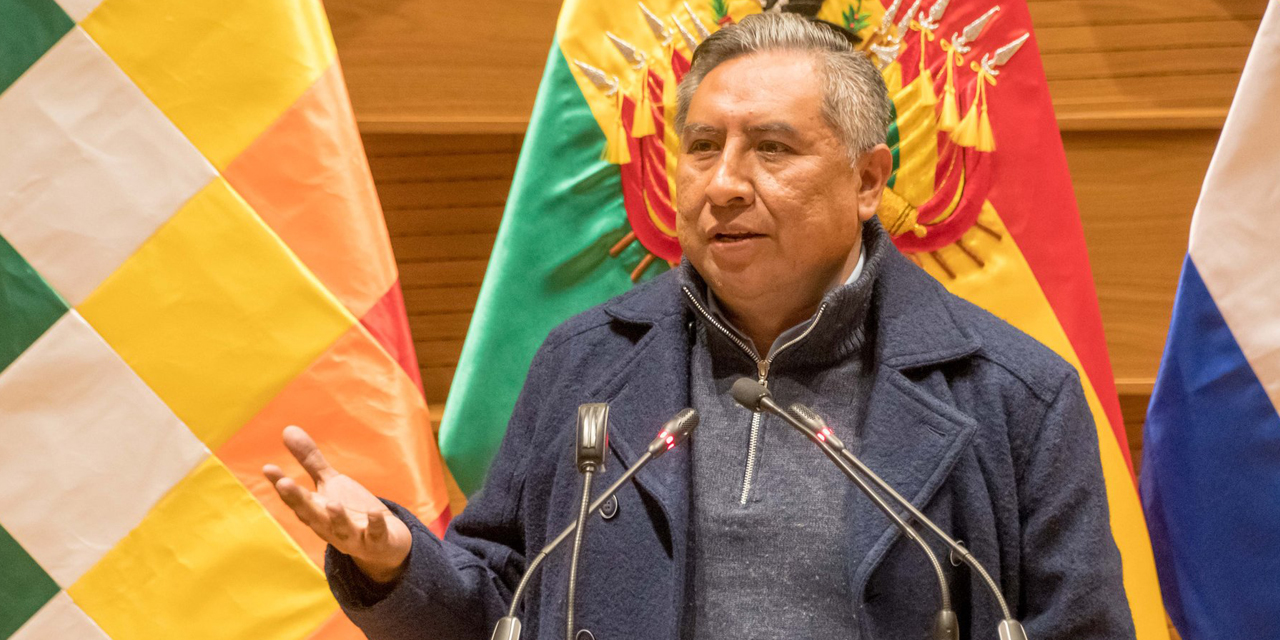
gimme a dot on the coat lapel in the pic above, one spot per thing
(909, 436)
(648, 388)
(912, 440)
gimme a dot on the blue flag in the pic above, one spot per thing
(1210, 479)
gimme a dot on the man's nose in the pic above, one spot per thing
(730, 183)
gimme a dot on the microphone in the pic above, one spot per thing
(1009, 628)
(674, 431)
(593, 442)
(756, 397)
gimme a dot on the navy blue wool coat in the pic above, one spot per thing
(983, 428)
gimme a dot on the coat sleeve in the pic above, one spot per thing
(458, 586)
(1071, 573)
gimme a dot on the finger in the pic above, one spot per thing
(308, 454)
(272, 472)
(377, 531)
(303, 504)
(339, 522)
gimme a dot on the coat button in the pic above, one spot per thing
(584, 634)
(610, 508)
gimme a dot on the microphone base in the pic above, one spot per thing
(508, 628)
(945, 626)
(1011, 630)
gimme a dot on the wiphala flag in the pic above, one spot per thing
(192, 257)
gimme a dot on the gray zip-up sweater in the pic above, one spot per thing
(767, 519)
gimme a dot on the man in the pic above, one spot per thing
(748, 532)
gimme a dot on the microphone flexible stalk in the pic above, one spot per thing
(577, 546)
(568, 531)
(673, 433)
(945, 625)
(809, 416)
(593, 442)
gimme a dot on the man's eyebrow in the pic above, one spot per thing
(773, 127)
(699, 128)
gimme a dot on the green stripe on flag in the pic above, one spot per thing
(28, 306)
(28, 28)
(550, 261)
(24, 586)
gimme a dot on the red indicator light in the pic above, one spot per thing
(822, 437)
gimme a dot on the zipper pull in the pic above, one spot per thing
(762, 367)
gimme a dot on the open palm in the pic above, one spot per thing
(342, 512)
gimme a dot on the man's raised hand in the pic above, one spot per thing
(342, 512)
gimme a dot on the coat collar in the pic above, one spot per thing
(915, 326)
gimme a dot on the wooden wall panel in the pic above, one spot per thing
(435, 67)
(442, 196)
(1136, 192)
(430, 65)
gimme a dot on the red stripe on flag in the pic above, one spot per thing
(388, 323)
(441, 522)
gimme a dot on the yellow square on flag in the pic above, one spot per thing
(206, 563)
(215, 288)
(222, 70)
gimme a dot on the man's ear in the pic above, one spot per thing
(874, 168)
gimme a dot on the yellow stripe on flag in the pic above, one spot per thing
(222, 70)
(1006, 287)
(207, 563)
(215, 314)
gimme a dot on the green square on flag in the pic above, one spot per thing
(27, 305)
(27, 29)
(24, 586)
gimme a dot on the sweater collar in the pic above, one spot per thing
(834, 332)
(908, 312)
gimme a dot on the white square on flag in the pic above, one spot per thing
(88, 449)
(89, 168)
(79, 9)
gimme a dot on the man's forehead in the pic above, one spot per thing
(762, 87)
(774, 127)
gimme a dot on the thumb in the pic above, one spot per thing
(304, 449)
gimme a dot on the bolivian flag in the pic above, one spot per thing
(192, 257)
(981, 199)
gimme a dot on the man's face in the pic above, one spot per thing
(766, 192)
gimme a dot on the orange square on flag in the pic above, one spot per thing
(370, 422)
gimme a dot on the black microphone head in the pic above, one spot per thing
(808, 415)
(749, 393)
(674, 431)
(682, 424)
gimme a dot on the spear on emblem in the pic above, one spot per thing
(655, 25)
(956, 48)
(974, 130)
(697, 23)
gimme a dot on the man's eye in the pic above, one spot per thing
(700, 146)
(772, 148)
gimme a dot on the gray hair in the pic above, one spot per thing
(855, 101)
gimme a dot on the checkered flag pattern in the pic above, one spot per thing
(192, 256)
